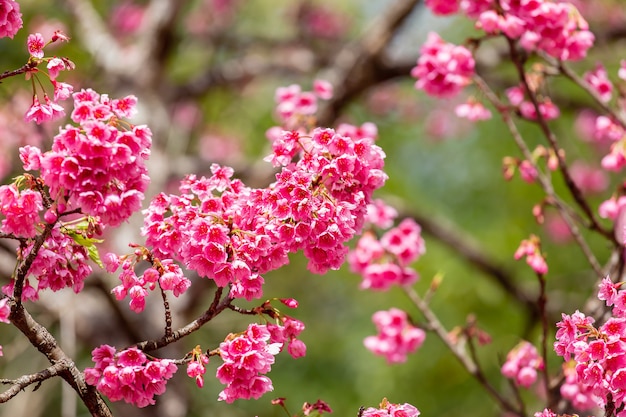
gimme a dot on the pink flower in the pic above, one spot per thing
(5, 310)
(547, 108)
(588, 178)
(380, 214)
(621, 73)
(545, 413)
(489, 21)
(289, 302)
(599, 81)
(396, 336)
(443, 7)
(35, 44)
(246, 358)
(579, 394)
(323, 89)
(391, 410)
(62, 91)
(129, 375)
(10, 18)
(55, 65)
(473, 8)
(59, 35)
(531, 249)
(126, 17)
(528, 172)
(38, 112)
(443, 69)
(473, 110)
(21, 210)
(76, 164)
(515, 95)
(522, 364)
(31, 157)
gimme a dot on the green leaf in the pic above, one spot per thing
(94, 255)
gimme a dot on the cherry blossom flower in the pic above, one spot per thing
(522, 364)
(599, 81)
(129, 375)
(10, 18)
(443, 7)
(36, 44)
(396, 337)
(443, 69)
(473, 110)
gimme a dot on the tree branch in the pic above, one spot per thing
(354, 66)
(22, 382)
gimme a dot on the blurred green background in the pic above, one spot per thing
(441, 167)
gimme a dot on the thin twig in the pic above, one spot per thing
(545, 183)
(450, 235)
(22, 382)
(28, 67)
(355, 66)
(545, 329)
(168, 313)
(24, 267)
(576, 79)
(45, 343)
(469, 365)
(551, 138)
(216, 308)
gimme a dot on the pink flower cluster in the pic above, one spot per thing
(247, 357)
(615, 209)
(547, 108)
(580, 395)
(5, 311)
(50, 109)
(288, 332)
(598, 351)
(396, 336)
(233, 234)
(167, 274)
(60, 263)
(96, 166)
(545, 413)
(555, 27)
(522, 364)
(598, 79)
(20, 209)
(531, 249)
(385, 262)
(387, 409)
(10, 18)
(293, 103)
(472, 110)
(196, 368)
(129, 375)
(443, 69)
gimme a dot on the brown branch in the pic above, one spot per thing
(22, 382)
(469, 250)
(466, 361)
(542, 301)
(576, 79)
(216, 308)
(28, 67)
(545, 182)
(551, 138)
(99, 41)
(23, 269)
(45, 343)
(355, 65)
